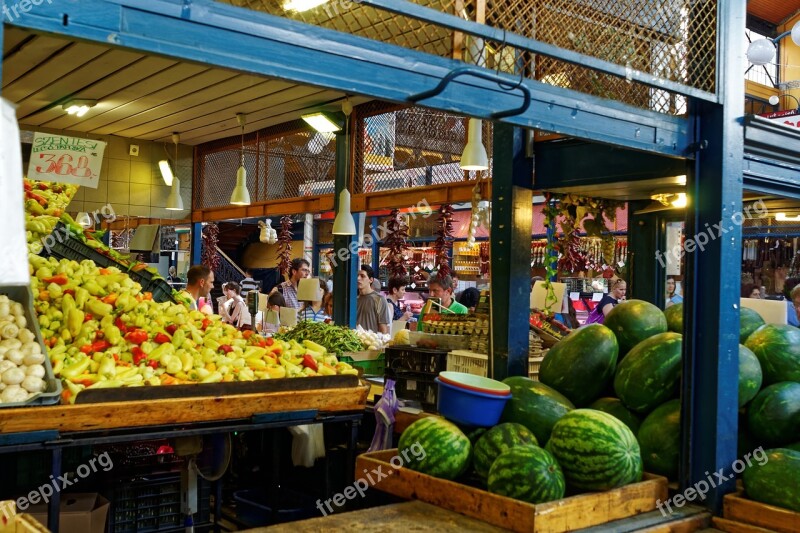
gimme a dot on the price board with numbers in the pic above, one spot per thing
(66, 159)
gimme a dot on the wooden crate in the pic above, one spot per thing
(737, 508)
(576, 512)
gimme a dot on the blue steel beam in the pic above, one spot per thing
(249, 41)
(709, 399)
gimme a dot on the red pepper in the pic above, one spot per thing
(138, 266)
(161, 338)
(121, 325)
(27, 186)
(309, 362)
(153, 364)
(110, 299)
(34, 196)
(41, 186)
(226, 348)
(270, 341)
(87, 317)
(171, 329)
(206, 322)
(86, 348)
(71, 292)
(60, 279)
(101, 346)
(138, 355)
(116, 357)
(136, 336)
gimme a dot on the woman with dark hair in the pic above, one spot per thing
(469, 298)
(234, 311)
(751, 290)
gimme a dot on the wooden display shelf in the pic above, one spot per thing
(130, 414)
(576, 512)
(743, 515)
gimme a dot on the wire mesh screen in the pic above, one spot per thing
(285, 161)
(672, 39)
(402, 148)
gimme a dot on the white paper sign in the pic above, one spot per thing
(66, 159)
(397, 325)
(596, 297)
(574, 295)
(288, 316)
(13, 249)
(539, 296)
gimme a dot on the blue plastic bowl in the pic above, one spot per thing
(469, 408)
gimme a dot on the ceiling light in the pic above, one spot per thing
(163, 165)
(762, 51)
(344, 223)
(322, 122)
(679, 200)
(302, 5)
(783, 217)
(175, 202)
(474, 156)
(241, 196)
(79, 107)
(775, 99)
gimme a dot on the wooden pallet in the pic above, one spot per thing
(738, 509)
(576, 512)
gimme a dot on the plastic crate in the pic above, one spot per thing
(533, 367)
(477, 363)
(372, 366)
(52, 394)
(161, 290)
(419, 387)
(401, 359)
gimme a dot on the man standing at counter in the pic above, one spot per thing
(299, 269)
(199, 281)
(442, 287)
(372, 311)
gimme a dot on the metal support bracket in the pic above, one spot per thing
(287, 416)
(29, 437)
(501, 82)
(695, 147)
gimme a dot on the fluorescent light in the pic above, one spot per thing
(78, 107)
(166, 172)
(680, 201)
(321, 122)
(783, 217)
(302, 5)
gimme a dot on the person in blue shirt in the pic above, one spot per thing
(793, 311)
(672, 294)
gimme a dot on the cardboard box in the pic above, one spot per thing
(86, 513)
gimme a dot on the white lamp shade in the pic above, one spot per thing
(84, 219)
(474, 156)
(796, 33)
(344, 223)
(166, 172)
(241, 196)
(308, 290)
(761, 52)
(175, 202)
(774, 100)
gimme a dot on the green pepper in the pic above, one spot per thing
(67, 304)
(178, 337)
(214, 377)
(163, 349)
(76, 368)
(75, 321)
(108, 367)
(98, 308)
(81, 297)
(112, 333)
(93, 288)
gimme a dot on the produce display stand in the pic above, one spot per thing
(334, 399)
(568, 514)
(740, 515)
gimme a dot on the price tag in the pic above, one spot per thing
(596, 297)
(574, 295)
(66, 159)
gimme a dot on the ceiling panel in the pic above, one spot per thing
(774, 11)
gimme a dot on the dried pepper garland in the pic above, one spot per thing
(285, 245)
(396, 242)
(444, 239)
(209, 255)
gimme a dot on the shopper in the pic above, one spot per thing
(173, 277)
(234, 310)
(442, 287)
(271, 324)
(372, 311)
(672, 294)
(315, 310)
(456, 292)
(794, 300)
(397, 290)
(751, 290)
(199, 281)
(469, 298)
(607, 303)
(248, 283)
(299, 269)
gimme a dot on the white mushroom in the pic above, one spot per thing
(13, 376)
(33, 384)
(13, 394)
(15, 356)
(35, 370)
(33, 359)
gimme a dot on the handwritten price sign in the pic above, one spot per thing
(66, 159)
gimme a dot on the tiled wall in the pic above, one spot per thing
(133, 184)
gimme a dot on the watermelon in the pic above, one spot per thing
(774, 414)
(773, 480)
(749, 375)
(660, 439)
(633, 321)
(650, 374)
(528, 473)
(581, 365)
(475, 434)
(435, 447)
(674, 316)
(795, 446)
(778, 350)
(749, 321)
(595, 450)
(497, 440)
(617, 409)
(534, 405)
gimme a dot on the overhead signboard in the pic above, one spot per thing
(66, 159)
(788, 117)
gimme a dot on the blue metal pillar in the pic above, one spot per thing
(512, 215)
(711, 305)
(345, 247)
(197, 243)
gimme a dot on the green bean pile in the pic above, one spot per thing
(336, 339)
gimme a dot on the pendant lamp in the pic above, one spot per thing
(474, 156)
(241, 196)
(174, 201)
(344, 224)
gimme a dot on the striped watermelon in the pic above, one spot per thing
(581, 365)
(660, 439)
(674, 316)
(528, 473)
(496, 441)
(774, 414)
(633, 321)
(617, 409)
(595, 450)
(435, 447)
(778, 350)
(773, 480)
(749, 321)
(650, 374)
(750, 377)
(534, 405)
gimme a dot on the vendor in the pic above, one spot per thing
(442, 287)
(199, 281)
(673, 297)
(372, 311)
(299, 269)
(397, 290)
